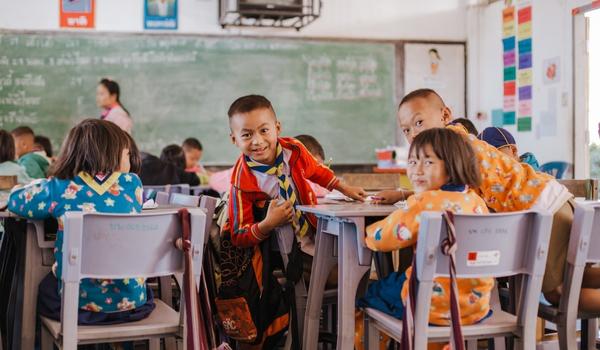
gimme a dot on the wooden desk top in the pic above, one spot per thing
(348, 209)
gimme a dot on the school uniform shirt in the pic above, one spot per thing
(10, 168)
(250, 189)
(117, 115)
(508, 185)
(35, 165)
(114, 193)
(400, 230)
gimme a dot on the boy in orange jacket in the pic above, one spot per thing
(272, 168)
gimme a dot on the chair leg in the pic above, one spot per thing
(372, 334)
(499, 343)
(47, 340)
(154, 344)
(592, 333)
(567, 336)
(170, 343)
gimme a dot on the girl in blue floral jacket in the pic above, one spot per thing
(91, 175)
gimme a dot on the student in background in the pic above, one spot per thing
(43, 147)
(35, 164)
(192, 148)
(315, 148)
(108, 97)
(443, 171)
(174, 155)
(467, 124)
(91, 174)
(169, 169)
(503, 140)
(135, 156)
(8, 165)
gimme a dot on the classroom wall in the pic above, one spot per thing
(552, 37)
(479, 24)
(381, 19)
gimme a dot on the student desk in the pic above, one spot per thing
(339, 239)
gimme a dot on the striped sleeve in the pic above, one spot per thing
(244, 231)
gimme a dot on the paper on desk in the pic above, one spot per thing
(149, 204)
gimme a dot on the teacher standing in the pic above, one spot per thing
(108, 98)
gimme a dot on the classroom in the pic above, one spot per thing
(299, 174)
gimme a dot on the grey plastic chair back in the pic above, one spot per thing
(115, 246)
(175, 188)
(162, 198)
(185, 200)
(504, 245)
(584, 247)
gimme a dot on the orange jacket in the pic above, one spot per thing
(245, 193)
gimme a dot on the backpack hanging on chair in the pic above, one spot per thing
(252, 306)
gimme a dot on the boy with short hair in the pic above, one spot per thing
(192, 148)
(315, 148)
(503, 140)
(43, 147)
(270, 168)
(35, 164)
(507, 185)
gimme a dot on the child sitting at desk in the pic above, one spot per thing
(443, 171)
(505, 143)
(8, 165)
(192, 148)
(507, 185)
(35, 164)
(91, 174)
(315, 148)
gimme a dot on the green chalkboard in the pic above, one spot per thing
(178, 86)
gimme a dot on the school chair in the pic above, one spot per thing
(121, 246)
(556, 169)
(586, 188)
(175, 188)
(208, 205)
(521, 241)
(584, 248)
(197, 190)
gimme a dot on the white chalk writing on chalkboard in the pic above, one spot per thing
(348, 78)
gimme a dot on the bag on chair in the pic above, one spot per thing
(251, 304)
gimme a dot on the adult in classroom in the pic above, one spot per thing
(108, 96)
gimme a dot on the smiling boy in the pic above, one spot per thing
(272, 168)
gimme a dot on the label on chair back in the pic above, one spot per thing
(483, 258)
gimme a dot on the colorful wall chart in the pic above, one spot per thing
(525, 75)
(510, 69)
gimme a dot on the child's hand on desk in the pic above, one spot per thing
(353, 192)
(279, 213)
(390, 196)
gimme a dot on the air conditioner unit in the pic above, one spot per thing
(286, 8)
(268, 13)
